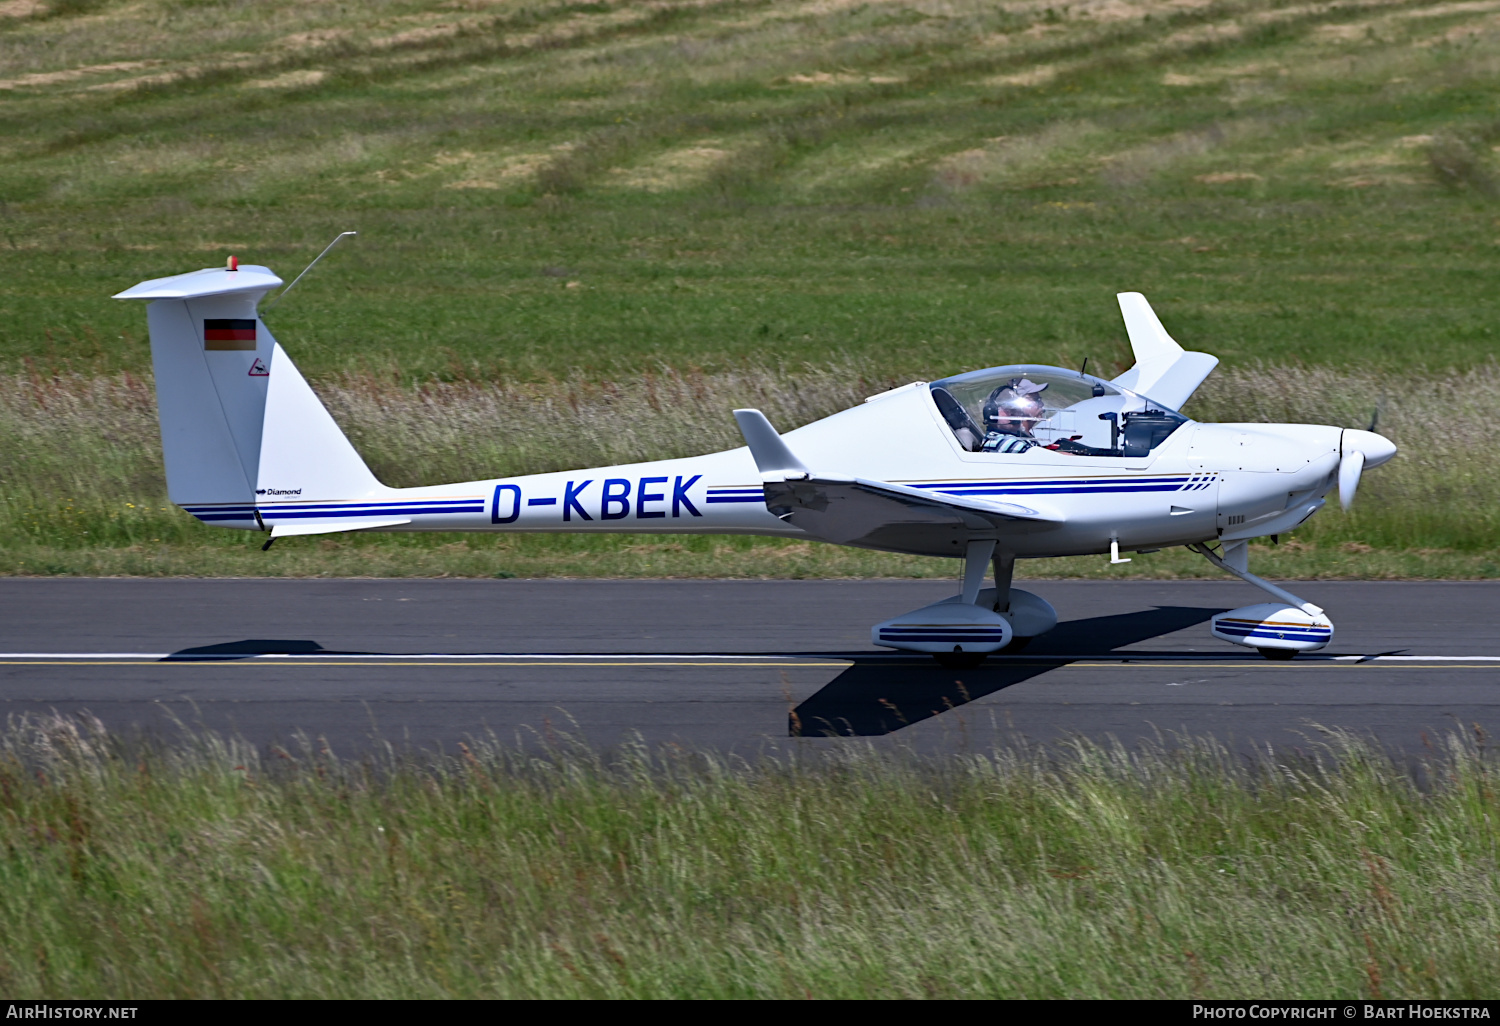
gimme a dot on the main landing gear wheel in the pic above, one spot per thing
(1277, 653)
(959, 660)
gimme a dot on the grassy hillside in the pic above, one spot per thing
(927, 185)
(596, 192)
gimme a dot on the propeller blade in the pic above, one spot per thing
(1350, 467)
(1374, 419)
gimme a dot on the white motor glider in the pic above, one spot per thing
(987, 467)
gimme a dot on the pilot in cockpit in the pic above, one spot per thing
(1010, 413)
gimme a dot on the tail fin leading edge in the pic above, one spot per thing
(239, 424)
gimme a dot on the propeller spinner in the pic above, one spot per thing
(1360, 449)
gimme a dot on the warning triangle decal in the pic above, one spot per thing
(258, 369)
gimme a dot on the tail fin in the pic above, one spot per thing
(239, 424)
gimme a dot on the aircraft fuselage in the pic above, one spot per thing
(1203, 482)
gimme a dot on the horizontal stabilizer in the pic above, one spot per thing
(1163, 370)
(772, 457)
(302, 527)
(211, 281)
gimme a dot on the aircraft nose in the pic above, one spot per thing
(1376, 449)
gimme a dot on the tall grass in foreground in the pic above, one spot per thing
(81, 461)
(206, 869)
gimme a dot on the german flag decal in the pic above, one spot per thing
(228, 333)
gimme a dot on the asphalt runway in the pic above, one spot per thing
(730, 665)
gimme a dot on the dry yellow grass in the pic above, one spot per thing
(82, 463)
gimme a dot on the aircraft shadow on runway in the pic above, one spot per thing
(874, 697)
(254, 647)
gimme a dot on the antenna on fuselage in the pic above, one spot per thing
(309, 267)
(1098, 389)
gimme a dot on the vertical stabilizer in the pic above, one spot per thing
(239, 424)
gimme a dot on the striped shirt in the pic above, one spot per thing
(996, 442)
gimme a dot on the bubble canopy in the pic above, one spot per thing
(1081, 414)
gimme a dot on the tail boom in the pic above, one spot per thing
(713, 494)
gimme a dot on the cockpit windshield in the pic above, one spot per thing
(1013, 409)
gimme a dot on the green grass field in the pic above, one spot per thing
(598, 192)
(205, 869)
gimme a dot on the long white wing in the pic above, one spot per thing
(1163, 370)
(855, 511)
(850, 511)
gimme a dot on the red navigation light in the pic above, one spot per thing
(234, 264)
